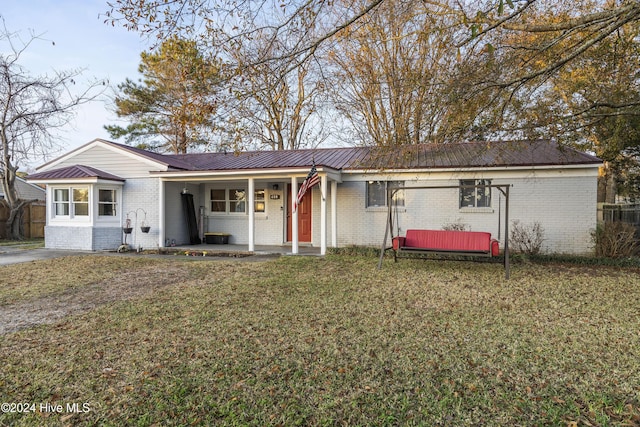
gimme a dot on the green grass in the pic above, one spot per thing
(23, 244)
(334, 341)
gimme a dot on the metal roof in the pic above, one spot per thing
(422, 156)
(73, 172)
(336, 158)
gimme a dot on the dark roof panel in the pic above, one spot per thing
(423, 156)
(73, 172)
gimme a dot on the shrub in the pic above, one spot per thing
(527, 239)
(456, 226)
(615, 240)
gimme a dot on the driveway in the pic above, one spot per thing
(17, 254)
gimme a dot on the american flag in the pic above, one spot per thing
(308, 183)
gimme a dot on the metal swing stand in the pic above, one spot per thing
(504, 190)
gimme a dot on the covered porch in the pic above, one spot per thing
(253, 209)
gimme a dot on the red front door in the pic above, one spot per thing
(304, 217)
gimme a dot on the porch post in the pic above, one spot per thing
(161, 230)
(323, 214)
(252, 215)
(334, 214)
(294, 216)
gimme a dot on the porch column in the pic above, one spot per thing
(323, 215)
(252, 215)
(294, 216)
(161, 231)
(334, 214)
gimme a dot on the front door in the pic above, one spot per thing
(304, 217)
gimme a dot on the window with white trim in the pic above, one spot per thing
(71, 202)
(237, 200)
(234, 200)
(107, 203)
(80, 202)
(61, 202)
(218, 200)
(259, 201)
(377, 193)
(475, 193)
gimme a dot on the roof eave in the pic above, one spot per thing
(245, 173)
(472, 168)
(80, 180)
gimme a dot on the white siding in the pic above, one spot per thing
(111, 160)
(28, 191)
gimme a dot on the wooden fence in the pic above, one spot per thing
(34, 220)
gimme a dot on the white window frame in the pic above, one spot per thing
(228, 200)
(485, 187)
(115, 206)
(71, 203)
(108, 220)
(399, 197)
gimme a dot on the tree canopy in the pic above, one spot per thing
(172, 108)
(408, 71)
(31, 109)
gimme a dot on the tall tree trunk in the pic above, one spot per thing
(14, 230)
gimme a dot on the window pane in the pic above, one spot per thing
(81, 195)
(467, 195)
(237, 200)
(376, 193)
(218, 206)
(81, 209)
(218, 194)
(484, 194)
(107, 196)
(62, 209)
(61, 195)
(105, 209)
(259, 201)
(218, 200)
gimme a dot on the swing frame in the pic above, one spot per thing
(503, 188)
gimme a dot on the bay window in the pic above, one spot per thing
(80, 201)
(71, 202)
(61, 202)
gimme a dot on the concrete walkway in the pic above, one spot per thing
(18, 254)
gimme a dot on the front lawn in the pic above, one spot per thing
(323, 341)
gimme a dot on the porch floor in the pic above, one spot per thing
(259, 249)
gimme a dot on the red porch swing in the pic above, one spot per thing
(445, 242)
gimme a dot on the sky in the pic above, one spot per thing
(75, 37)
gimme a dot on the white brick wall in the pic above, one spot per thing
(68, 237)
(141, 194)
(564, 205)
(563, 201)
(82, 238)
